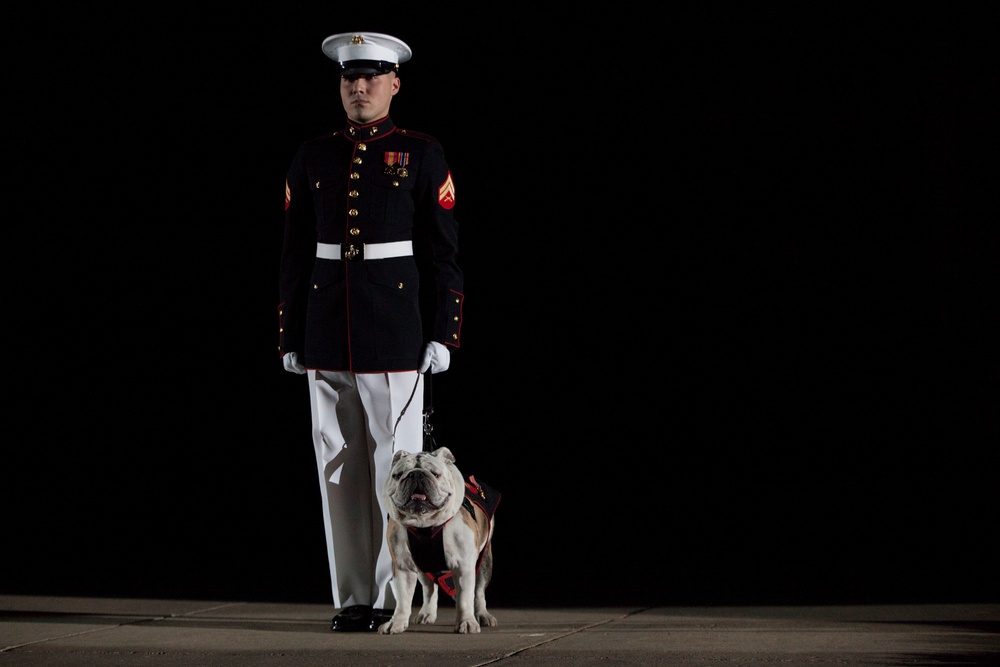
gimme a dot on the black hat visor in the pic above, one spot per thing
(365, 67)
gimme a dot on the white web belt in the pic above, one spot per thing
(351, 252)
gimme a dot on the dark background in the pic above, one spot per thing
(730, 321)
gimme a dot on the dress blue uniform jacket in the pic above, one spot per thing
(369, 184)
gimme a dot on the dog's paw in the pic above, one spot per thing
(427, 617)
(487, 619)
(467, 627)
(392, 627)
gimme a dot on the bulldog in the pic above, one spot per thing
(440, 533)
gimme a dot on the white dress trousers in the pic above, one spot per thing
(353, 419)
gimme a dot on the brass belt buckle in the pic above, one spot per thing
(350, 252)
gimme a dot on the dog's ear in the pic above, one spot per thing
(398, 455)
(445, 453)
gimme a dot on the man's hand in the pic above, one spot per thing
(292, 365)
(436, 358)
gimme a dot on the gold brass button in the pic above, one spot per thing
(357, 160)
(395, 184)
(355, 175)
(400, 285)
(454, 336)
(353, 213)
(354, 231)
(317, 185)
(353, 194)
(362, 147)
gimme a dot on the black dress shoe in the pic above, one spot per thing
(379, 616)
(356, 618)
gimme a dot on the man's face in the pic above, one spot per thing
(367, 97)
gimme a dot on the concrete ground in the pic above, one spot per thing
(56, 631)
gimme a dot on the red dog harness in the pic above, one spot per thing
(427, 544)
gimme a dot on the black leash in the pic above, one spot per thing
(429, 444)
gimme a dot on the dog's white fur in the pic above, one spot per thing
(424, 490)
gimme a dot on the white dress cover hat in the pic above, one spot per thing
(366, 52)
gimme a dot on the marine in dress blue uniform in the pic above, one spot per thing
(371, 294)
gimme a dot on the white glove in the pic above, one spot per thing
(436, 358)
(291, 362)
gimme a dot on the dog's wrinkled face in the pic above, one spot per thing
(424, 489)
